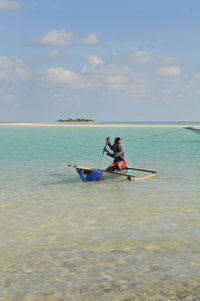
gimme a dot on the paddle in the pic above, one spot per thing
(102, 155)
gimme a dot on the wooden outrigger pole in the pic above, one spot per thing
(129, 177)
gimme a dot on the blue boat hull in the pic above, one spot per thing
(89, 175)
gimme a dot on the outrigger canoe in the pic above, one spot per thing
(88, 174)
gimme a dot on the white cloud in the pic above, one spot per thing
(10, 5)
(170, 71)
(91, 39)
(12, 70)
(109, 69)
(64, 77)
(140, 57)
(55, 38)
(109, 77)
(116, 77)
(134, 87)
(94, 61)
(112, 77)
(62, 38)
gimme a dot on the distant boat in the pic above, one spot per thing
(191, 128)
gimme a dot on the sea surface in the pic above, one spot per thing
(62, 239)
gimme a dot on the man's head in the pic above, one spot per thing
(118, 141)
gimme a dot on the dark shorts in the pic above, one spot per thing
(115, 164)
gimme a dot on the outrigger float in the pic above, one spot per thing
(88, 174)
(191, 128)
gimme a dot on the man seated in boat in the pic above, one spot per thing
(118, 154)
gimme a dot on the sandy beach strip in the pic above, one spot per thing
(98, 125)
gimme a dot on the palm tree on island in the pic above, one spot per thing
(76, 120)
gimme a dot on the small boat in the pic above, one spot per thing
(89, 174)
(191, 128)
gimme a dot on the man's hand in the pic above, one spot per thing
(105, 149)
(108, 139)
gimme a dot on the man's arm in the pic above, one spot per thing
(110, 154)
(109, 143)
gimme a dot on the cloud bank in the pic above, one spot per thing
(63, 38)
(111, 75)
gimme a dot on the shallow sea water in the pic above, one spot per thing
(62, 239)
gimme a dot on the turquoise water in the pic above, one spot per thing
(62, 239)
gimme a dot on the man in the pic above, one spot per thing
(118, 154)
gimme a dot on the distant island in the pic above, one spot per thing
(76, 120)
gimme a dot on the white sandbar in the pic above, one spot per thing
(100, 125)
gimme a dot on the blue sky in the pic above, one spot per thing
(110, 60)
